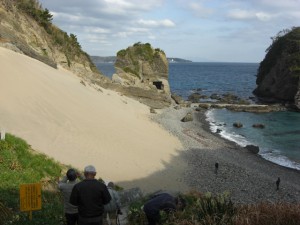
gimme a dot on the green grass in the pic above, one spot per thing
(208, 209)
(19, 164)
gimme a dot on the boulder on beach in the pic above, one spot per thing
(252, 148)
(188, 117)
(177, 98)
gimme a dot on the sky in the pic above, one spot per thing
(197, 30)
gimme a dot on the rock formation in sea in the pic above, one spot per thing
(142, 73)
(279, 72)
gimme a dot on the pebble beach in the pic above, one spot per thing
(246, 177)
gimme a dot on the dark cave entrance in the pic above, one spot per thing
(158, 84)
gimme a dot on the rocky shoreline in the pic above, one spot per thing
(247, 177)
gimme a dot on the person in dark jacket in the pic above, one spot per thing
(90, 195)
(162, 201)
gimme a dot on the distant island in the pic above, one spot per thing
(112, 59)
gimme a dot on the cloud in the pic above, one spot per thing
(278, 4)
(103, 27)
(240, 14)
(199, 9)
(156, 23)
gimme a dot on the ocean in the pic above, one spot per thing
(278, 142)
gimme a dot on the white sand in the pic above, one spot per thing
(78, 125)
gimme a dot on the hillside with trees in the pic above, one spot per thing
(279, 72)
(27, 27)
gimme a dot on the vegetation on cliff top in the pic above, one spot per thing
(134, 54)
(285, 45)
(68, 44)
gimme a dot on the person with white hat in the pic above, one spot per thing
(90, 195)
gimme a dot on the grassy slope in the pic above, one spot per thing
(20, 165)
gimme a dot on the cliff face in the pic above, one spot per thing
(142, 73)
(279, 72)
(26, 27)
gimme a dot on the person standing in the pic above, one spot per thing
(65, 185)
(90, 195)
(113, 208)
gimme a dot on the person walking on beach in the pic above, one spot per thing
(113, 208)
(277, 184)
(216, 167)
(65, 185)
(164, 202)
(90, 195)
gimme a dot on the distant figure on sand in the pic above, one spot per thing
(90, 195)
(65, 185)
(163, 201)
(216, 167)
(277, 183)
(113, 208)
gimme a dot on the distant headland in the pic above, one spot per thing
(112, 59)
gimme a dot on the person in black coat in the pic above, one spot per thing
(162, 201)
(90, 195)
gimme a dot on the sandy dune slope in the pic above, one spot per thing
(78, 125)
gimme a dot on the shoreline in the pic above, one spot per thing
(247, 177)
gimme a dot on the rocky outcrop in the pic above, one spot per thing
(279, 72)
(142, 73)
(258, 125)
(244, 108)
(237, 124)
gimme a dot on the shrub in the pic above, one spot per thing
(208, 209)
(268, 214)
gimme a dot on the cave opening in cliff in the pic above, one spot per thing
(158, 84)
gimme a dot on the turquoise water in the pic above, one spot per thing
(279, 141)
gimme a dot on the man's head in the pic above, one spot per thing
(71, 174)
(89, 172)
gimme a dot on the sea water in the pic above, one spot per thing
(279, 141)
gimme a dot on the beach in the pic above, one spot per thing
(78, 124)
(245, 176)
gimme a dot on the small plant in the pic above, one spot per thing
(136, 215)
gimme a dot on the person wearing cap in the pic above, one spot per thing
(90, 195)
(65, 185)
